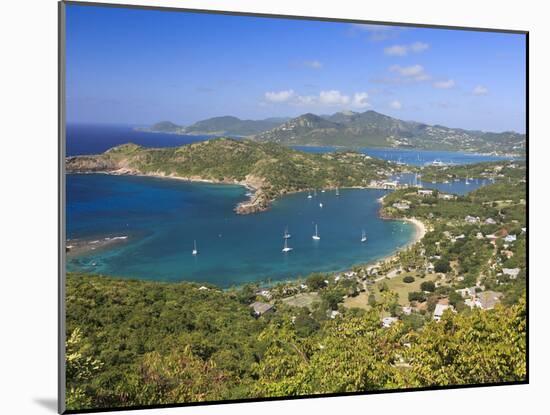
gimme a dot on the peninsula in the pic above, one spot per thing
(270, 170)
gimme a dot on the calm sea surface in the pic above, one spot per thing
(161, 218)
(413, 157)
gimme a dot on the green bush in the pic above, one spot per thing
(428, 286)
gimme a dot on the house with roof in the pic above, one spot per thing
(511, 272)
(425, 192)
(446, 196)
(471, 219)
(401, 205)
(488, 299)
(465, 292)
(510, 238)
(259, 308)
(389, 185)
(440, 309)
(406, 310)
(388, 321)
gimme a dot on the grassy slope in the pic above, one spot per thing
(277, 168)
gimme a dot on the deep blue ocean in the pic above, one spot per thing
(162, 217)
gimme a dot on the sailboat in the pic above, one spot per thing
(309, 195)
(286, 248)
(286, 235)
(363, 236)
(337, 192)
(195, 251)
(320, 205)
(316, 236)
(467, 182)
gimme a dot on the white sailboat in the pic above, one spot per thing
(320, 205)
(286, 235)
(467, 182)
(316, 236)
(309, 195)
(286, 248)
(337, 192)
(195, 251)
(363, 236)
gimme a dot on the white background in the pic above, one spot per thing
(28, 204)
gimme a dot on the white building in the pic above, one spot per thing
(440, 309)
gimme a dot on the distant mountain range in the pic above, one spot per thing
(219, 126)
(354, 129)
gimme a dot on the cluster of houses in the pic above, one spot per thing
(475, 297)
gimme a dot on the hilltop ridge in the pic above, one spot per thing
(353, 129)
(271, 170)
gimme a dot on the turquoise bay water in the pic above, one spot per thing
(458, 187)
(162, 217)
(413, 157)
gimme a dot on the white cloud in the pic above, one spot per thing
(396, 105)
(447, 84)
(280, 96)
(480, 90)
(327, 98)
(360, 100)
(313, 64)
(411, 73)
(404, 50)
(418, 47)
(396, 50)
(333, 97)
(305, 100)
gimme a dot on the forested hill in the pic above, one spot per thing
(372, 129)
(269, 168)
(146, 343)
(218, 126)
(353, 129)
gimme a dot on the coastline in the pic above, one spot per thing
(257, 200)
(250, 205)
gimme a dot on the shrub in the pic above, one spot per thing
(442, 265)
(408, 279)
(417, 296)
(428, 286)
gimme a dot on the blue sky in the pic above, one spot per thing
(131, 66)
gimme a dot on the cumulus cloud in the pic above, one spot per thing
(326, 98)
(480, 90)
(404, 50)
(447, 84)
(279, 96)
(396, 105)
(333, 97)
(411, 73)
(396, 50)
